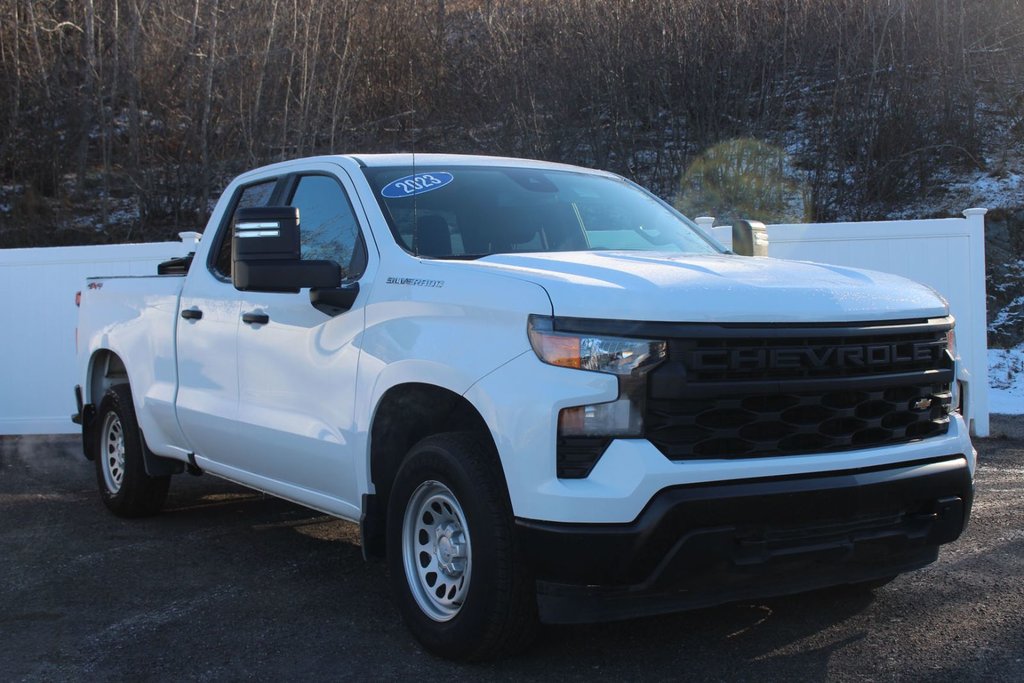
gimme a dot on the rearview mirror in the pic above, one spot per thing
(266, 253)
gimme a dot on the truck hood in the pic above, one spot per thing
(715, 288)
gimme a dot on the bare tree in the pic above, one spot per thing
(204, 134)
(879, 92)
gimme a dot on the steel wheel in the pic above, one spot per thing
(119, 457)
(112, 452)
(436, 550)
(455, 569)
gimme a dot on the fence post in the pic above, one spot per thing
(978, 407)
(705, 222)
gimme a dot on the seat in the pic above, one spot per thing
(432, 236)
(513, 228)
(562, 229)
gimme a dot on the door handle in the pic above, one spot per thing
(255, 318)
(191, 314)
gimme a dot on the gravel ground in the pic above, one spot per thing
(228, 584)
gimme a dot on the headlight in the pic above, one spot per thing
(628, 359)
(614, 355)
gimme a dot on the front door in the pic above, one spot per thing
(297, 365)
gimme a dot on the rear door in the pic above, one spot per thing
(207, 400)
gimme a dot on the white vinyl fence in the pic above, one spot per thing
(947, 254)
(38, 314)
(37, 324)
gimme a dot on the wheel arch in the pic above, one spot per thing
(406, 414)
(105, 370)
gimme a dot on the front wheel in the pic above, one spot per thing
(125, 488)
(455, 570)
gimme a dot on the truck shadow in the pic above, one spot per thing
(734, 641)
(731, 641)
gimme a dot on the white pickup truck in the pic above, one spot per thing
(544, 394)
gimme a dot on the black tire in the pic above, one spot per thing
(449, 511)
(125, 488)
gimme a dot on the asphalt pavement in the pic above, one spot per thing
(228, 584)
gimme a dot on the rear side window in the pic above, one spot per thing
(252, 195)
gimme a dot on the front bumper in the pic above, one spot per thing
(705, 544)
(520, 402)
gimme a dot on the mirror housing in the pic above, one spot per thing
(267, 254)
(334, 300)
(749, 238)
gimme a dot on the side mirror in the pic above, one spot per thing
(267, 254)
(334, 300)
(750, 238)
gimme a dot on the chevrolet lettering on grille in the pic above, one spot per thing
(815, 357)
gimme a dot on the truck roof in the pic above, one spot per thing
(424, 159)
(409, 158)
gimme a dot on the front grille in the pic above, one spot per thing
(742, 392)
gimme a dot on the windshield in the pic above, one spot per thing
(469, 212)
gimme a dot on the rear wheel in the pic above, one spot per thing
(455, 570)
(125, 488)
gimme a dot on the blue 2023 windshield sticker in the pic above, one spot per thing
(417, 183)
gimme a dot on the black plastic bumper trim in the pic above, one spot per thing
(700, 545)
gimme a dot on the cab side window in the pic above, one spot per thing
(328, 224)
(253, 195)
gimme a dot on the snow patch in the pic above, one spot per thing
(1005, 385)
(990, 186)
(1008, 311)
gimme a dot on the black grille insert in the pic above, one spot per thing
(577, 455)
(759, 392)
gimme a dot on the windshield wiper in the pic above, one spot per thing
(455, 257)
